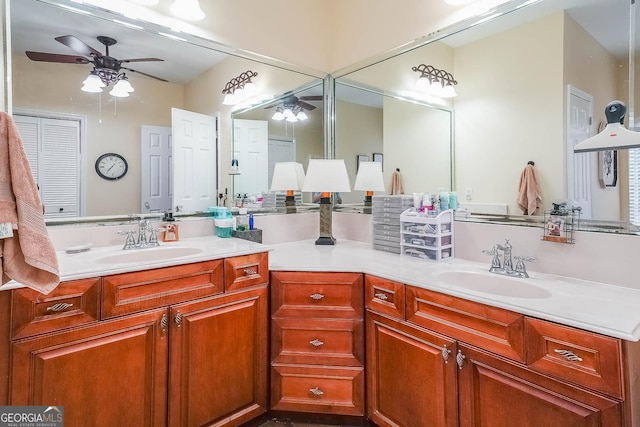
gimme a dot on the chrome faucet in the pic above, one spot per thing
(143, 241)
(505, 266)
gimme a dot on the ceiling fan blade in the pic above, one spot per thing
(145, 74)
(141, 60)
(312, 98)
(306, 106)
(54, 57)
(78, 45)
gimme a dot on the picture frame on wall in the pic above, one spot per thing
(361, 158)
(377, 157)
(608, 168)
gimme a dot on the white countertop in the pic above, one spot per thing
(597, 307)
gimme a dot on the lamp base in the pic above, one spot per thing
(290, 205)
(367, 204)
(326, 240)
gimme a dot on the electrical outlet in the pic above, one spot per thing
(468, 193)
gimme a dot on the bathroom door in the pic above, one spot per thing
(194, 160)
(157, 169)
(250, 148)
(579, 165)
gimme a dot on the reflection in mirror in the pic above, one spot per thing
(531, 84)
(267, 134)
(48, 94)
(413, 137)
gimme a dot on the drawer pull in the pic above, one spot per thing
(61, 306)
(445, 354)
(381, 296)
(569, 355)
(164, 323)
(250, 271)
(316, 391)
(460, 359)
(316, 297)
(316, 343)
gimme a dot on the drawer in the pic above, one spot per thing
(493, 329)
(581, 357)
(142, 290)
(327, 390)
(317, 341)
(384, 296)
(70, 304)
(245, 271)
(395, 249)
(304, 294)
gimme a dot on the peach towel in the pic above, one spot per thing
(397, 187)
(29, 256)
(529, 196)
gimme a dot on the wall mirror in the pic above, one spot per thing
(527, 83)
(263, 135)
(190, 77)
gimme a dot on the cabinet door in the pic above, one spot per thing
(409, 380)
(495, 392)
(219, 359)
(108, 374)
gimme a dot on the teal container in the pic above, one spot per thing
(224, 231)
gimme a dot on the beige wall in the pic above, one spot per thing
(362, 127)
(113, 126)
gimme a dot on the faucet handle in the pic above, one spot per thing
(520, 268)
(130, 242)
(495, 261)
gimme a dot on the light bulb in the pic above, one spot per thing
(188, 10)
(229, 99)
(250, 88)
(278, 115)
(448, 92)
(302, 115)
(123, 85)
(292, 119)
(288, 113)
(119, 93)
(93, 83)
(422, 83)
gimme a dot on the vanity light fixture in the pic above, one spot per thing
(240, 88)
(289, 177)
(614, 136)
(435, 82)
(326, 176)
(369, 178)
(188, 10)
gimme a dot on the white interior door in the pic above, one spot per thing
(250, 148)
(156, 169)
(579, 165)
(280, 150)
(194, 154)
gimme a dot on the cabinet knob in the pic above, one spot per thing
(61, 306)
(569, 355)
(316, 391)
(381, 296)
(178, 319)
(316, 343)
(316, 297)
(460, 359)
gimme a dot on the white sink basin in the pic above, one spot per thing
(149, 254)
(495, 284)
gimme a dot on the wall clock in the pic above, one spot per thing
(111, 166)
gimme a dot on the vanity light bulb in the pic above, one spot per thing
(250, 88)
(448, 92)
(422, 83)
(229, 99)
(435, 88)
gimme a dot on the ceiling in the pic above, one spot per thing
(606, 20)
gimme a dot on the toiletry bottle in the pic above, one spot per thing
(453, 200)
(170, 228)
(242, 222)
(444, 200)
(250, 221)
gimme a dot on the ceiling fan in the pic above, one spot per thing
(106, 67)
(293, 101)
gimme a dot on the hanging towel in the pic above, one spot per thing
(529, 196)
(396, 183)
(28, 257)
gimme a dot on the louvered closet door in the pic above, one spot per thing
(53, 149)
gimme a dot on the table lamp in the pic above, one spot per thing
(288, 176)
(326, 176)
(369, 179)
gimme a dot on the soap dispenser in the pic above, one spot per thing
(169, 228)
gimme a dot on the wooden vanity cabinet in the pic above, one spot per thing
(317, 343)
(171, 349)
(485, 366)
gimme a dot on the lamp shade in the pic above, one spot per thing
(369, 177)
(327, 176)
(287, 176)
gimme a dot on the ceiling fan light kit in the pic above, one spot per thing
(292, 109)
